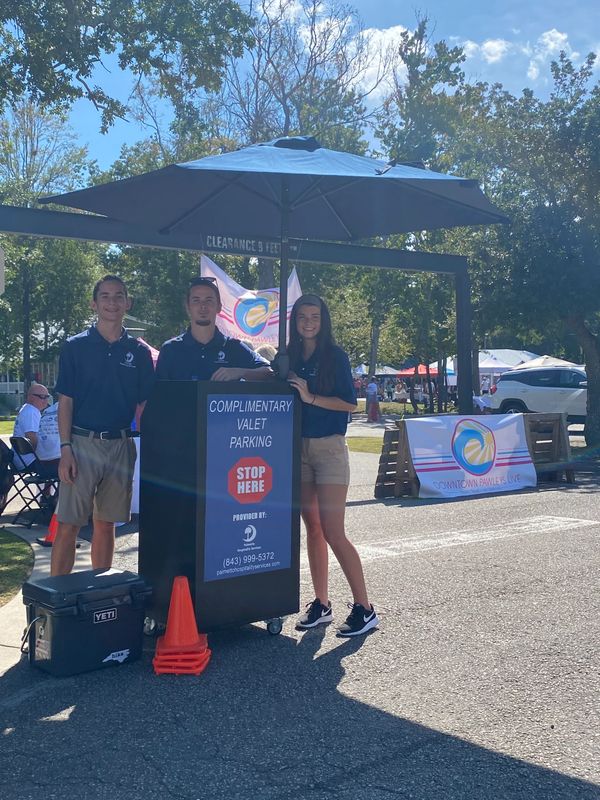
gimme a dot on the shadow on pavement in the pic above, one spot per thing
(268, 720)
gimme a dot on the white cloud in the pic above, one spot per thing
(494, 50)
(382, 42)
(552, 42)
(530, 57)
(546, 49)
(515, 62)
(471, 49)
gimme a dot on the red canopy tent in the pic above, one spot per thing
(421, 371)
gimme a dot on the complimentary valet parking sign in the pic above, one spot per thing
(248, 484)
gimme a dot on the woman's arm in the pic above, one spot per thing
(330, 403)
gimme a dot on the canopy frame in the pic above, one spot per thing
(87, 227)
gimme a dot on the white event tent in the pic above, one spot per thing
(546, 361)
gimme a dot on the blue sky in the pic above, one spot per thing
(511, 42)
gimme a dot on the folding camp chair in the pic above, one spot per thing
(6, 475)
(37, 493)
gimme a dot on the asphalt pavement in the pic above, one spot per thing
(481, 682)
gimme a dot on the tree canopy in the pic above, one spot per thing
(303, 66)
(53, 52)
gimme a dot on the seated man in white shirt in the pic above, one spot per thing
(48, 444)
(27, 422)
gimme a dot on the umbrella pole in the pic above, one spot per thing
(282, 358)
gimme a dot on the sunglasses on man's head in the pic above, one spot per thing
(41, 396)
(200, 281)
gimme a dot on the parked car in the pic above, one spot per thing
(558, 389)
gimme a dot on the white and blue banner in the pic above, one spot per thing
(249, 315)
(462, 456)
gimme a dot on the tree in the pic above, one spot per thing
(48, 282)
(422, 111)
(540, 161)
(417, 120)
(303, 75)
(51, 51)
(39, 154)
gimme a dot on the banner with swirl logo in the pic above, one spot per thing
(460, 456)
(252, 316)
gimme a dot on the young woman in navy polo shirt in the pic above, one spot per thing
(320, 371)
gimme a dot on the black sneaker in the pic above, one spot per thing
(316, 614)
(359, 621)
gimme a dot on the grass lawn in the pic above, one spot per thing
(16, 563)
(364, 444)
(399, 409)
(385, 407)
(7, 426)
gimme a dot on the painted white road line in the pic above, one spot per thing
(415, 544)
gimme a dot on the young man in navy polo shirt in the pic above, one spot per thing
(104, 379)
(203, 353)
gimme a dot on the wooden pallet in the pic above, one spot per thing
(396, 475)
(548, 442)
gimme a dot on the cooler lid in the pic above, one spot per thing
(94, 584)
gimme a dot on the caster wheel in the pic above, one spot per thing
(150, 627)
(274, 626)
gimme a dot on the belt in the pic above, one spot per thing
(126, 433)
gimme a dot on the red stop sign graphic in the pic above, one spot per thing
(250, 480)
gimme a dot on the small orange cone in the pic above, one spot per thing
(48, 540)
(182, 650)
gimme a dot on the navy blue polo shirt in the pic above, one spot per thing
(318, 422)
(185, 359)
(106, 380)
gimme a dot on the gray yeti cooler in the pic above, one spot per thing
(85, 621)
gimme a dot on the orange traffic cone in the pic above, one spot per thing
(182, 650)
(48, 540)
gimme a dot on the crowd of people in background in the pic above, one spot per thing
(390, 389)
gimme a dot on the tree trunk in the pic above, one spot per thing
(441, 385)
(374, 346)
(590, 345)
(26, 327)
(430, 407)
(475, 368)
(266, 273)
(411, 391)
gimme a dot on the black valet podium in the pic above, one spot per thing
(219, 499)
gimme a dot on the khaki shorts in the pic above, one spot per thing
(325, 461)
(103, 483)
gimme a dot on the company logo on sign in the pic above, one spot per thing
(105, 615)
(474, 447)
(250, 480)
(252, 313)
(249, 534)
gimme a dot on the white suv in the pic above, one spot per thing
(562, 389)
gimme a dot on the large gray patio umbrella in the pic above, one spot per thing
(291, 187)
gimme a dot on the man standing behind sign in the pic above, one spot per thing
(203, 353)
(104, 378)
